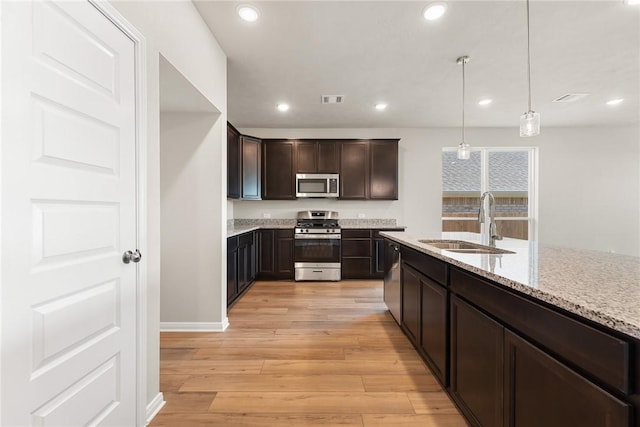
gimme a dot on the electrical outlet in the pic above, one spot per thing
(266, 215)
(361, 215)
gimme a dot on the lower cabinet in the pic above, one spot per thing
(410, 280)
(540, 391)
(498, 356)
(363, 252)
(433, 327)
(476, 364)
(275, 254)
(241, 264)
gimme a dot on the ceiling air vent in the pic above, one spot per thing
(570, 97)
(332, 99)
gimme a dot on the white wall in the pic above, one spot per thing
(176, 30)
(589, 182)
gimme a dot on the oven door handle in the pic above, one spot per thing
(317, 236)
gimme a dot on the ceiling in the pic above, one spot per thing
(384, 51)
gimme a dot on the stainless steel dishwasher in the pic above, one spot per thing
(392, 279)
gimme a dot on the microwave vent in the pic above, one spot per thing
(332, 99)
(570, 97)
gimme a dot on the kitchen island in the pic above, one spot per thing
(541, 336)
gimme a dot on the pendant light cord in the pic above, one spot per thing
(528, 56)
(463, 61)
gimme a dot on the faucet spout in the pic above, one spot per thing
(490, 232)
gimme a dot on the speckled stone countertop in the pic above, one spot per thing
(598, 286)
(240, 226)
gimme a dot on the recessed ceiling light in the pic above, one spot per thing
(615, 101)
(283, 107)
(434, 11)
(381, 106)
(485, 101)
(632, 2)
(248, 12)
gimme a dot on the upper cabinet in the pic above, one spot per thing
(369, 169)
(316, 157)
(243, 165)
(278, 170)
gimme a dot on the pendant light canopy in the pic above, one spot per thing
(529, 121)
(464, 149)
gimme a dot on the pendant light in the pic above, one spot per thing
(529, 121)
(464, 149)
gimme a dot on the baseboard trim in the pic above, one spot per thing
(194, 326)
(154, 407)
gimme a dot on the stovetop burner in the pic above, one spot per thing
(317, 219)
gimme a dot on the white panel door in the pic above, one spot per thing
(68, 214)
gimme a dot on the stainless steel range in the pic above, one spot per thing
(317, 246)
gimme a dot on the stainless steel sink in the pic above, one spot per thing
(460, 246)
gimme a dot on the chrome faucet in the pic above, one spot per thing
(493, 231)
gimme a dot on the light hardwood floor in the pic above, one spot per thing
(301, 354)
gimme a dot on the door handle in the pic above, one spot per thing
(130, 256)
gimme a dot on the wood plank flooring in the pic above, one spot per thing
(301, 354)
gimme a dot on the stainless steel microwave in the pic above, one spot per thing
(317, 185)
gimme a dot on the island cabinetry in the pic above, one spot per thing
(540, 391)
(241, 264)
(476, 364)
(278, 170)
(275, 254)
(432, 341)
(411, 292)
(316, 157)
(243, 165)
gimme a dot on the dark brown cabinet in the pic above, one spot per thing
(251, 161)
(383, 181)
(433, 330)
(316, 157)
(410, 307)
(356, 253)
(540, 391)
(354, 170)
(241, 264)
(243, 165)
(369, 169)
(476, 364)
(278, 170)
(234, 164)
(275, 249)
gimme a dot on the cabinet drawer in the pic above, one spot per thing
(285, 233)
(596, 352)
(356, 248)
(425, 264)
(356, 234)
(356, 268)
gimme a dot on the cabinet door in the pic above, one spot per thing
(378, 267)
(354, 170)
(327, 157)
(266, 252)
(232, 268)
(476, 364)
(243, 268)
(253, 254)
(306, 157)
(284, 254)
(233, 162)
(251, 149)
(278, 171)
(411, 302)
(434, 326)
(384, 170)
(540, 391)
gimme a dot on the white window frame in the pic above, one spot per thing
(532, 190)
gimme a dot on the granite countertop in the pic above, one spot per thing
(240, 226)
(599, 286)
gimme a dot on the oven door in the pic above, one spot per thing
(322, 249)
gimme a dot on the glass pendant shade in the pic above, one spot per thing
(464, 151)
(530, 124)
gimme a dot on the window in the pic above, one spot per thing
(508, 173)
